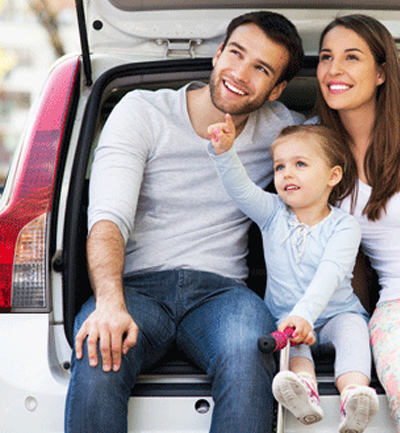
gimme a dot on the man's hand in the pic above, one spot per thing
(303, 333)
(222, 135)
(114, 330)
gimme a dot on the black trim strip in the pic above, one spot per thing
(87, 67)
(171, 390)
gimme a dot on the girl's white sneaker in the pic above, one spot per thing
(297, 396)
(358, 409)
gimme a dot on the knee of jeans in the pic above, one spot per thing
(242, 358)
(244, 377)
(98, 383)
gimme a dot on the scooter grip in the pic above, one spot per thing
(267, 344)
(275, 341)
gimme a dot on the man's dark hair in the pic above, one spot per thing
(280, 30)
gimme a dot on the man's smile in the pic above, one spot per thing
(233, 88)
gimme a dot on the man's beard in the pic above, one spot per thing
(234, 110)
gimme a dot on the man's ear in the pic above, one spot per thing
(217, 55)
(277, 91)
(336, 176)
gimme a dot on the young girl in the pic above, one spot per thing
(310, 248)
(359, 80)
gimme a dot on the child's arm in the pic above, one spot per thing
(256, 203)
(222, 135)
(335, 266)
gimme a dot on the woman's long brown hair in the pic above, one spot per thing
(382, 160)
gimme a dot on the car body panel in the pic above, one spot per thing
(33, 383)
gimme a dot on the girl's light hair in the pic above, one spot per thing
(382, 160)
(335, 153)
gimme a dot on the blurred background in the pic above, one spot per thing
(33, 35)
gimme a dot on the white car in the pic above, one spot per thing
(43, 278)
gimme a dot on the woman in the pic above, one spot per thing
(359, 95)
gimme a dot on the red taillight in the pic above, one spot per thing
(23, 220)
(29, 268)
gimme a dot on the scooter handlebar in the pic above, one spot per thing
(275, 341)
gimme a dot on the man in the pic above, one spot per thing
(167, 247)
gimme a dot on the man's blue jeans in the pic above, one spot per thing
(215, 321)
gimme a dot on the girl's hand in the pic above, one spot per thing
(303, 333)
(222, 135)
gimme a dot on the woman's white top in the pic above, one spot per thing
(381, 241)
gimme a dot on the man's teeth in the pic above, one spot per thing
(291, 187)
(234, 89)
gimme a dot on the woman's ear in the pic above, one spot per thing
(381, 74)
